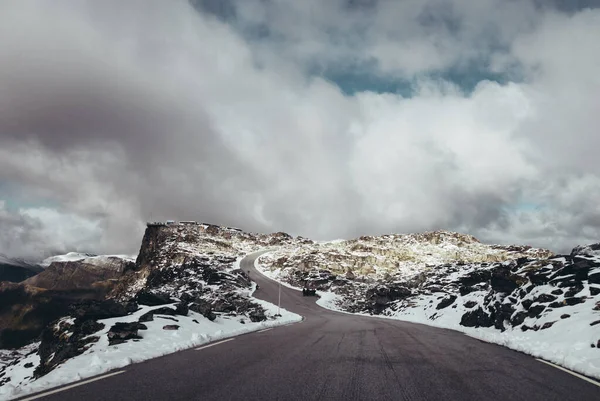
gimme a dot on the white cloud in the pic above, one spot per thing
(119, 112)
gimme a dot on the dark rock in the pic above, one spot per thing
(578, 270)
(538, 277)
(446, 302)
(145, 297)
(512, 300)
(526, 303)
(547, 325)
(544, 298)
(565, 316)
(57, 346)
(464, 290)
(476, 318)
(574, 301)
(568, 282)
(204, 308)
(475, 277)
(557, 304)
(187, 298)
(182, 309)
(257, 315)
(574, 290)
(171, 327)
(470, 304)
(536, 310)
(518, 318)
(147, 317)
(594, 278)
(91, 309)
(557, 291)
(195, 321)
(87, 327)
(165, 310)
(594, 290)
(595, 323)
(28, 365)
(121, 332)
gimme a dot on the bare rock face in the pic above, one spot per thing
(95, 273)
(26, 308)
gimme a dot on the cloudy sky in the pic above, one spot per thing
(326, 119)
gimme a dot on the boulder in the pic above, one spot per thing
(545, 298)
(204, 308)
(449, 300)
(145, 297)
(518, 318)
(470, 304)
(576, 289)
(594, 290)
(257, 315)
(165, 310)
(557, 291)
(526, 303)
(475, 277)
(574, 301)
(503, 281)
(182, 309)
(147, 317)
(565, 316)
(171, 327)
(547, 325)
(594, 278)
(464, 290)
(476, 318)
(91, 309)
(536, 310)
(121, 332)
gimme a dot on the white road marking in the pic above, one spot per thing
(570, 372)
(213, 344)
(262, 331)
(34, 397)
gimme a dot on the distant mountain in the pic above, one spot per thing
(17, 270)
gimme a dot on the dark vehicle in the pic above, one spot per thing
(309, 292)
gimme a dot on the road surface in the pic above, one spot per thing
(335, 356)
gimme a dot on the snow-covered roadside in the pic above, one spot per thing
(567, 343)
(194, 330)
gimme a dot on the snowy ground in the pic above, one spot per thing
(156, 342)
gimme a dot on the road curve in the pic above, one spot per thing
(335, 356)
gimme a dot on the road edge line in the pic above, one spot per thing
(587, 379)
(81, 383)
(213, 344)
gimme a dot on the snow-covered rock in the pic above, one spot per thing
(186, 275)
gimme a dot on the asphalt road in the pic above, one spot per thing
(335, 356)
